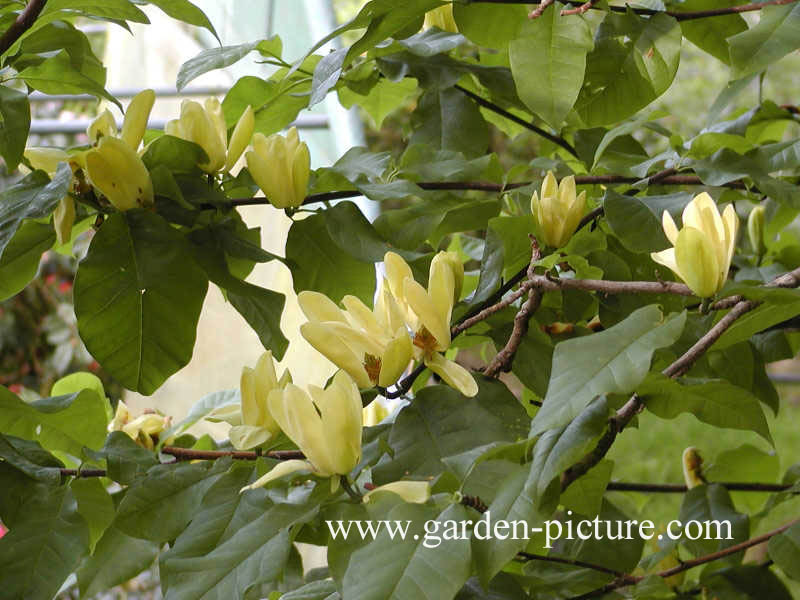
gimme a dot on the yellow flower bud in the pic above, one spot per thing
(281, 167)
(442, 18)
(325, 424)
(755, 229)
(692, 468)
(240, 137)
(416, 492)
(135, 121)
(117, 171)
(201, 126)
(558, 210)
(142, 429)
(702, 251)
(102, 126)
(64, 218)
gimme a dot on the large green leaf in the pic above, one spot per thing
(237, 540)
(126, 460)
(322, 266)
(185, 11)
(713, 401)
(775, 35)
(15, 116)
(448, 120)
(492, 25)
(34, 197)
(213, 58)
(636, 220)
(95, 505)
(20, 260)
(58, 75)
(712, 503)
(30, 458)
(633, 62)
(613, 361)
(423, 564)
(784, 549)
(441, 423)
(384, 98)
(62, 423)
(780, 305)
(44, 545)
(548, 60)
(158, 506)
(138, 295)
(711, 34)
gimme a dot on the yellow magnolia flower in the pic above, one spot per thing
(374, 413)
(692, 468)
(115, 169)
(103, 125)
(205, 126)
(281, 167)
(372, 346)
(417, 492)
(558, 210)
(64, 219)
(325, 424)
(702, 251)
(48, 159)
(133, 124)
(252, 423)
(755, 229)
(428, 313)
(142, 429)
(442, 18)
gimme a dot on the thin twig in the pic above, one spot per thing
(559, 141)
(504, 359)
(687, 564)
(21, 24)
(679, 488)
(582, 9)
(189, 454)
(572, 562)
(539, 10)
(350, 489)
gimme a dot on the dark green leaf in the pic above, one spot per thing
(176, 154)
(448, 120)
(15, 116)
(711, 34)
(350, 231)
(712, 504)
(30, 458)
(775, 35)
(492, 25)
(138, 295)
(636, 220)
(784, 549)
(20, 260)
(126, 460)
(94, 505)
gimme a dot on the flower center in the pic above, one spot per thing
(372, 365)
(424, 339)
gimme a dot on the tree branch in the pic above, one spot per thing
(189, 454)
(23, 22)
(573, 562)
(679, 488)
(685, 565)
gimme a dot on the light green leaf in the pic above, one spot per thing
(15, 116)
(784, 549)
(62, 423)
(713, 401)
(34, 197)
(448, 120)
(138, 295)
(95, 506)
(548, 60)
(384, 98)
(710, 34)
(614, 361)
(585, 495)
(775, 35)
(77, 382)
(211, 59)
(491, 25)
(20, 260)
(778, 308)
(57, 75)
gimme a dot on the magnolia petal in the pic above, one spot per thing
(322, 337)
(64, 218)
(442, 284)
(118, 172)
(240, 137)
(46, 159)
(567, 191)
(341, 413)
(282, 469)
(217, 118)
(102, 126)
(244, 437)
(453, 374)
(374, 413)
(431, 315)
(397, 271)
(387, 311)
(666, 258)
(121, 416)
(318, 307)
(247, 389)
(549, 186)
(362, 317)
(301, 171)
(398, 354)
(573, 216)
(697, 262)
(229, 413)
(670, 229)
(135, 122)
(417, 492)
(731, 223)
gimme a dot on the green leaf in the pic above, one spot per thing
(745, 582)
(585, 495)
(95, 506)
(57, 75)
(441, 423)
(633, 62)
(322, 266)
(448, 120)
(784, 549)
(548, 60)
(383, 99)
(745, 463)
(491, 25)
(636, 220)
(117, 558)
(326, 75)
(15, 116)
(30, 458)
(708, 503)
(122, 10)
(158, 507)
(62, 423)
(77, 382)
(711, 34)
(779, 308)
(44, 545)
(176, 154)
(126, 460)
(513, 231)
(775, 35)
(20, 260)
(352, 232)
(533, 359)
(713, 401)
(321, 589)
(34, 197)
(138, 295)
(213, 58)
(424, 564)
(185, 11)
(614, 361)
(200, 409)
(236, 540)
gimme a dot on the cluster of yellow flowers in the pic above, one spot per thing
(143, 429)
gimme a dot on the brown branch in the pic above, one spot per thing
(559, 141)
(83, 472)
(21, 24)
(606, 286)
(679, 488)
(627, 580)
(503, 359)
(189, 454)
(633, 406)
(575, 563)
(539, 10)
(679, 16)
(582, 9)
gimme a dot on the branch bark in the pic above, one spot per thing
(23, 22)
